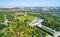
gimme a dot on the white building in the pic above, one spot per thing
(36, 22)
(5, 21)
(56, 34)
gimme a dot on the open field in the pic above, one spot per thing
(22, 18)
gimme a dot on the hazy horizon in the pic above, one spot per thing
(29, 3)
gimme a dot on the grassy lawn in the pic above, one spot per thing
(22, 18)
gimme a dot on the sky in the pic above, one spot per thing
(29, 3)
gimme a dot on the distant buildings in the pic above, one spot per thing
(45, 9)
